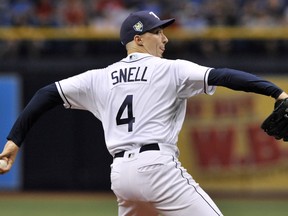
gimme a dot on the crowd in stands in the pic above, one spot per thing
(110, 13)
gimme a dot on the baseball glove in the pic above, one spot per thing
(276, 124)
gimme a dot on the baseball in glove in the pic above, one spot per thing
(276, 124)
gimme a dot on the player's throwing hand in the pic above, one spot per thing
(9, 155)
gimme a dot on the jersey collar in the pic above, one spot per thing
(136, 56)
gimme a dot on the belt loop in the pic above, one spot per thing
(147, 147)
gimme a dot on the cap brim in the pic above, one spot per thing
(162, 24)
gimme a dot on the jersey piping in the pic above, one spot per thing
(64, 98)
(205, 80)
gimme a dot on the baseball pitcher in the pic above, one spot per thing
(141, 102)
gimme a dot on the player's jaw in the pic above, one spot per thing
(154, 42)
(162, 50)
(157, 50)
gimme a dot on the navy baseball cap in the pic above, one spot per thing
(140, 22)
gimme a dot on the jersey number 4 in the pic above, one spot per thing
(128, 105)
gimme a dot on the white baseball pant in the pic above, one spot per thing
(154, 181)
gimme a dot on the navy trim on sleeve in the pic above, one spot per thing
(63, 95)
(205, 80)
(45, 99)
(243, 81)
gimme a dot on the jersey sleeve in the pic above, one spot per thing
(77, 91)
(243, 81)
(44, 100)
(192, 79)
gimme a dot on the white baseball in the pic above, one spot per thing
(3, 164)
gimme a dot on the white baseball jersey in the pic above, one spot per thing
(139, 100)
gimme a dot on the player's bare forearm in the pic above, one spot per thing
(9, 154)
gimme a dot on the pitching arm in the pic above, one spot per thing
(45, 99)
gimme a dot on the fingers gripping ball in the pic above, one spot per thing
(3, 164)
(276, 124)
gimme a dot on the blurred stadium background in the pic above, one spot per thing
(64, 162)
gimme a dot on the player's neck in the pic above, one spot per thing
(130, 51)
(134, 48)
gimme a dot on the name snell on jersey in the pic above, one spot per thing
(131, 74)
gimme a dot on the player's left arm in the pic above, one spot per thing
(243, 81)
(9, 154)
(45, 99)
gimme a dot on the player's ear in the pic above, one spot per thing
(138, 40)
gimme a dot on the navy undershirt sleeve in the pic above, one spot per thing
(242, 81)
(45, 99)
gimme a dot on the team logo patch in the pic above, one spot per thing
(138, 26)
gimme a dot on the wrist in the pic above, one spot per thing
(282, 96)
